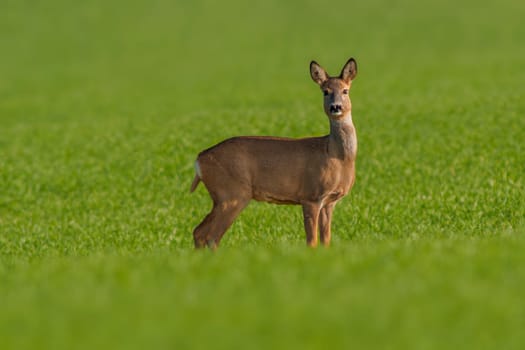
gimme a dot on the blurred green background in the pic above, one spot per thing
(104, 106)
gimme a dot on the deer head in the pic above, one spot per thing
(335, 89)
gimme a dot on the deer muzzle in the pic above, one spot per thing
(336, 109)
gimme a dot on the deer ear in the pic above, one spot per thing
(349, 71)
(318, 73)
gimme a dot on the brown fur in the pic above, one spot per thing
(313, 172)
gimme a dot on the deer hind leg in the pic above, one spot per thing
(227, 212)
(311, 219)
(325, 222)
(200, 232)
(212, 228)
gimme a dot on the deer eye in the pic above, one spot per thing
(345, 91)
(326, 92)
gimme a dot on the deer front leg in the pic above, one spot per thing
(311, 219)
(325, 223)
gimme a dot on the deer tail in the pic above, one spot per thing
(195, 183)
(197, 178)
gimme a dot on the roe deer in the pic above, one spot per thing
(314, 172)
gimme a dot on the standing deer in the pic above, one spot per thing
(314, 172)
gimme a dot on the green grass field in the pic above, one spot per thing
(104, 106)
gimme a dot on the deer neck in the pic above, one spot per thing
(342, 141)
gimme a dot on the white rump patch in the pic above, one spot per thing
(198, 169)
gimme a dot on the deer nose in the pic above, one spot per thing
(335, 108)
